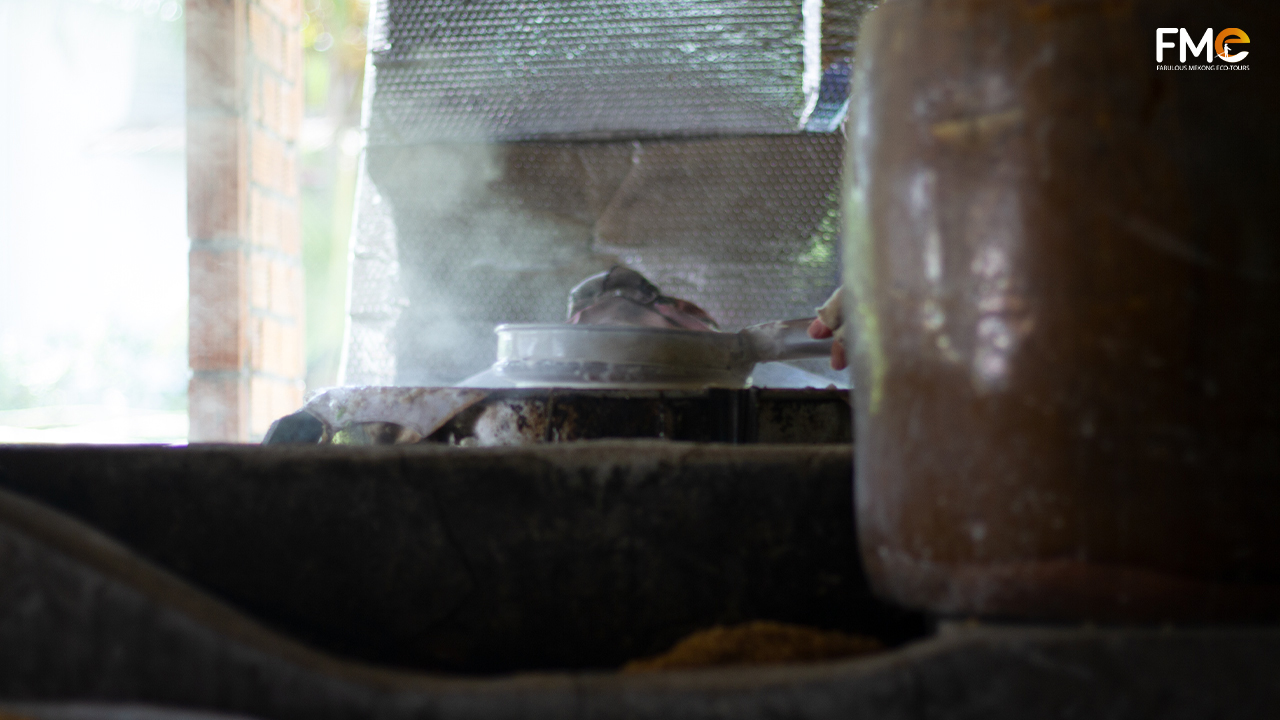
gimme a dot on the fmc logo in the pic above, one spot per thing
(1219, 47)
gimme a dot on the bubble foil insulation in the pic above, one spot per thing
(515, 70)
(515, 148)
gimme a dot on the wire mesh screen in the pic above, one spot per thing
(454, 237)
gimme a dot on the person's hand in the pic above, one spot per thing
(818, 330)
(830, 324)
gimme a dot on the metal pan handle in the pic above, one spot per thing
(783, 340)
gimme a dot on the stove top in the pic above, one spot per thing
(464, 416)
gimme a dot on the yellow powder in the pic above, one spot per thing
(760, 642)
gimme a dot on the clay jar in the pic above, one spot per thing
(1065, 277)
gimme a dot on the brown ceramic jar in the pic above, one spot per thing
(1065, 277)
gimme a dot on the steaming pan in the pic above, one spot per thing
(645, 357)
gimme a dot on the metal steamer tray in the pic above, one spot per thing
(540, 355)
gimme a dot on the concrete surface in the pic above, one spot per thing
(84, 622)
(580, 555)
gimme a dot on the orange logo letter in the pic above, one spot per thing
(1223, 47)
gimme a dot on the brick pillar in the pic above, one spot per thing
(244, 112)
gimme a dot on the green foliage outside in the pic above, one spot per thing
(335, 47)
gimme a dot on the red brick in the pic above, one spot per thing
(294, 290)
(281, 289)
(293, 361)
(267, 345)
(277, 347)
(264, 213)
(215, 54)
(257, 348)
(289, 173)
(288, 12)
(267, 38)
(259, 282)
(217, 307)
(292, 57)
(267, 100)
(216, 174)
(286, 361)
(273, 339)
(290, 228)
(291, 112)
(243, 124)
(218, 407)
(267, 160)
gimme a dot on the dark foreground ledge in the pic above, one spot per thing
(88, 631)
(91, 629)
(569, 556)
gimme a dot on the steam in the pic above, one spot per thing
(445, 249)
